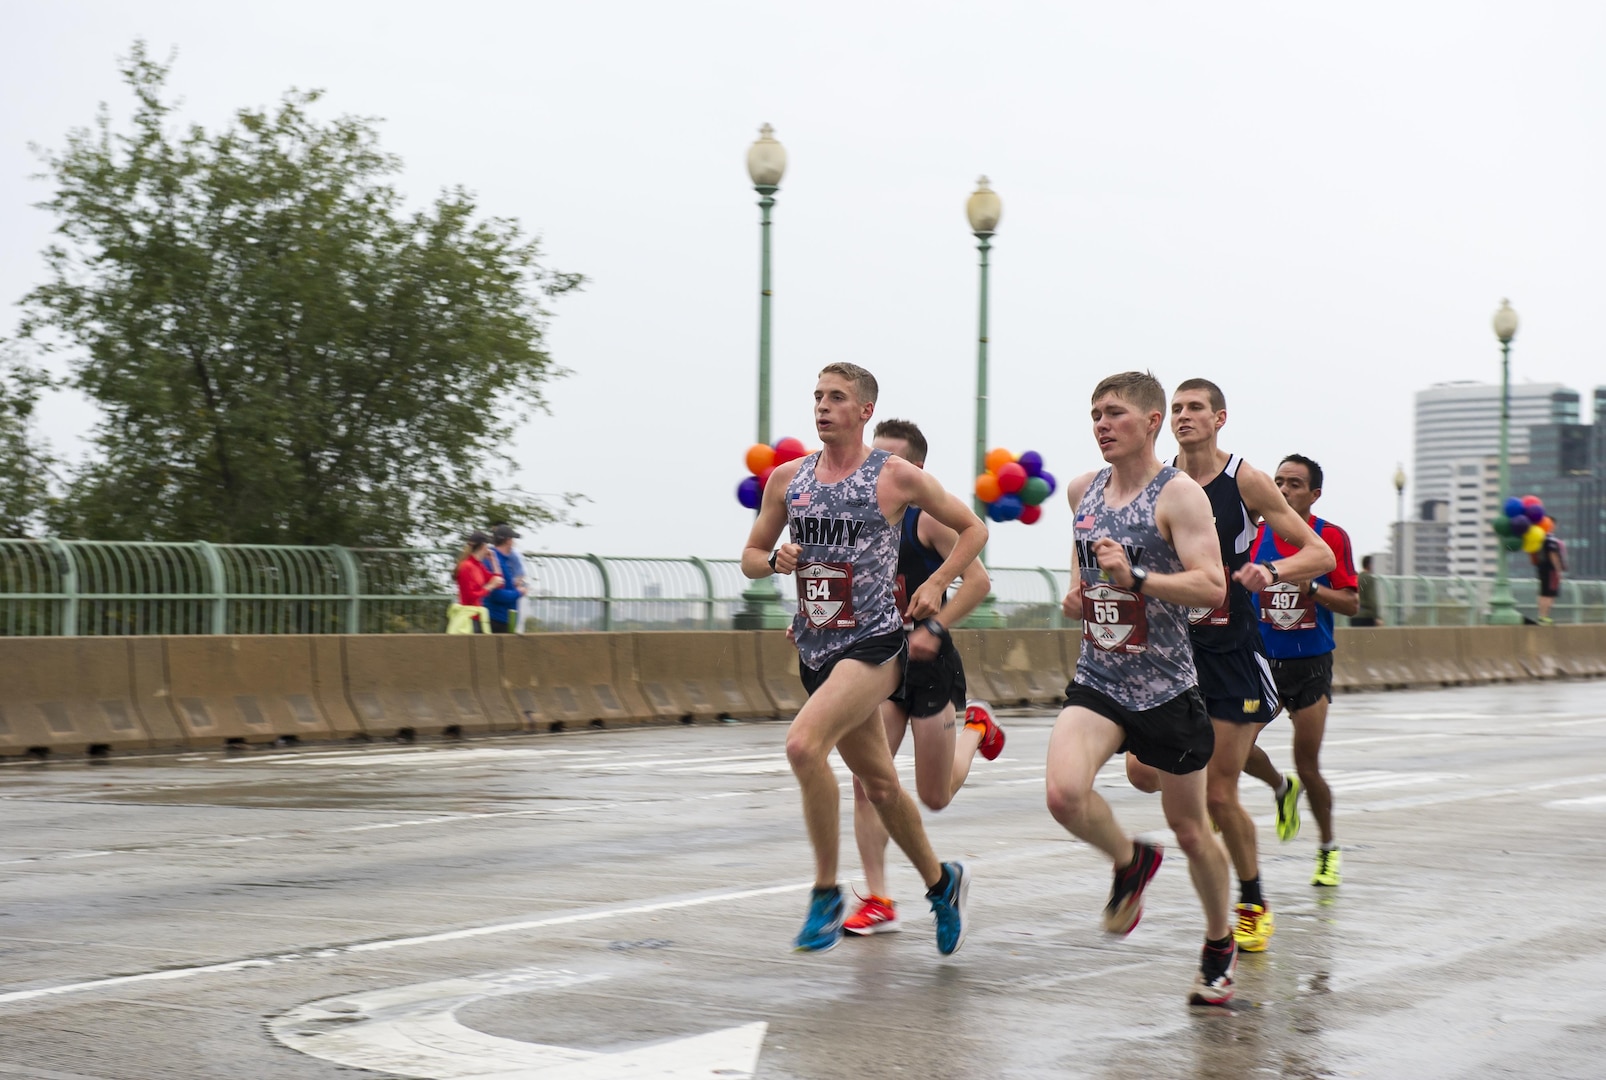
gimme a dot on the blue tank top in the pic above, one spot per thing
(848, 568)
(1292, 623)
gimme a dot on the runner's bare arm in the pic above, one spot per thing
(1313, 559)
(1184, 518)
(974, 582)
(767, 529)
(902, 485)
(1072, 604)
(1343, 601)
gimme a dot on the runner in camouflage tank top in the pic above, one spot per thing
(1134, 648)
(848, 568)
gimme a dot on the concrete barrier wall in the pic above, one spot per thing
(77, 695)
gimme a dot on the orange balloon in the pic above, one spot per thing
(1548, 523)
(759, 458)
(997, 458)
(987, 488)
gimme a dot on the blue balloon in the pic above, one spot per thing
(1006, 508)
(1031, 461)
(1514, 507)
(1048, 476)
(1520, 524)
(994, 511)
(749, 493)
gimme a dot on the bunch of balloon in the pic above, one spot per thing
(1013, 488)
(1523, 524)
(761, 461)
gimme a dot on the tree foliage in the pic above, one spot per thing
(283, 353)
(25, 466)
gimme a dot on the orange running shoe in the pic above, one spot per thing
(979, 715)
(874, 915)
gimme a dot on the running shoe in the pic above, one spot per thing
(949, 908)
(1214, 983)
(1326, 867)
(1125, 908)
(1288, 811)
(823, 927)
(979, 715)
(875, 915)
(1254, 927)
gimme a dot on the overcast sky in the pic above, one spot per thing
(1317, 206)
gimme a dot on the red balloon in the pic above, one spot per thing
(788, 449)
(1531, 500)
(1030, 514)
(1011, 477)
(764, 478)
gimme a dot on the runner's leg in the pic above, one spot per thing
(846, 703)
(1081, 742)
(1146, 778)
(868, 832)
(936, 756)
(1260, 767)
(1183, 800)
(1310, 724)
(864, 751)
(1233, 743)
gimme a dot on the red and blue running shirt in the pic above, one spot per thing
(1292, 624)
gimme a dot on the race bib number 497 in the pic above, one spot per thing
(825, 595)
(1114, 620)
(1287, 607)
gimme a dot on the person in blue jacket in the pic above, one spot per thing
(502, 604)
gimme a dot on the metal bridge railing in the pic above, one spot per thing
(83, 587)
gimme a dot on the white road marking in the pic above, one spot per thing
(1569, 804)
(413, 1030)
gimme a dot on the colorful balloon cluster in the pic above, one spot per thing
(1523, 524)
(761, 461)
(1014, 487)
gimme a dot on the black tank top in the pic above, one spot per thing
(1231, 627)
(916, 563)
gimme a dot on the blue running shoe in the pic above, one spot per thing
(823, 927)
(949, 908)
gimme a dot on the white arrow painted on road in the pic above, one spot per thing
(413, 1031)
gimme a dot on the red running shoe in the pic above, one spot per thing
(979, 715)
(875, 915)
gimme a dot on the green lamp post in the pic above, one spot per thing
(1502, 605)
(766, 163)
(984, 209)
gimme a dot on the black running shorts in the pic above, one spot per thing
(1175, 737)
(1303, 680)
(1237, 686)
(929, 685)
(1549, 582)
(875, 651)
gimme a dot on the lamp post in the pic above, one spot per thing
(1502, 605)
(1399, 542)
(766, 163)
(983, 208)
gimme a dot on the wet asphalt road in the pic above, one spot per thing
(621, 904)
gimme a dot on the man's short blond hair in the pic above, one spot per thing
(864, 384)
(1139, 388)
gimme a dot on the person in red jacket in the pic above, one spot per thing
(474, 578)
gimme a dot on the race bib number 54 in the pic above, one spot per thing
(825, 595)
(1114, 620)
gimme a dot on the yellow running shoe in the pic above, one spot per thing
(1326, 867)
(1253, 928)
(1288, 811)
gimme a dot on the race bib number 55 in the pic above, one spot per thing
(1114, 620)
(825, 595)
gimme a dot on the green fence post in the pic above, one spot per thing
(607, 591)
(351, 586)
(708, 586)
(220, 597)
(69, 588)
(1056, 618)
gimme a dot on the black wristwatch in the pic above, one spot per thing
(1271, 567)
(773, 554)
(1139, 577)
(1313, 588)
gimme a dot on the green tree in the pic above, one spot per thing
(25, 467)
(281, 351)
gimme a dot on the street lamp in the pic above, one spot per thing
(766, 163)
(1399, 543)
(983, 208)
(1502, 605)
